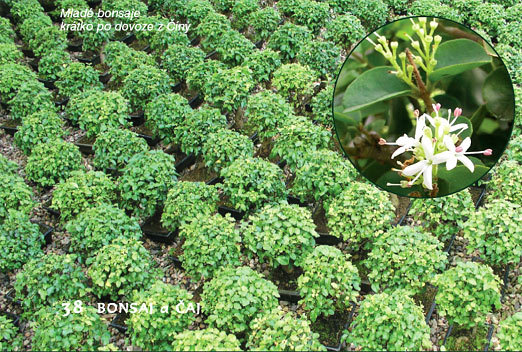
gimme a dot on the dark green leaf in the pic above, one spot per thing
(498, 94)
(458, 178)
(373, 86)
(456, 56)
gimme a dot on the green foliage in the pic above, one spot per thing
(47, 39)
(294, 140)
(514, 151)
(49, 279)
(94, 40)
(489, 17)
(433, 8)
(443, 216)
(200, 74)
(344, 30)
(82, 190)
(233, 48)
(264, 22)
(208, 339)
(13, 77)
(186, 200)
(329, 282)
(121, 268)
(280, 234)
(165, 113)
(52, 162)
(262, 63)
(224, 147)
(22, 10)
(324, 174)
(321, 56)
(152, 332)
(510, 34)
(31, 26)
(312, 14)
(497, 237)
(211, 242)
(8, 332)
(250, 182)
(294, 81)
(196, 10)
(389, 322)
(359, 212)
(266, 111)
(9, 53)
(14, 193)
(404, 258)
(510, 332)
(125, 5)
(322, 106)
(144, 84)
(114, 148)
(288, 40)
(241, 11)
(98, 226)
(7, 166)
(145, 181)
(52, 63)
(38, 128)
(236, 296)
(178, 59)
(32, 97)
(280, 331)
(122, 59)
(211, 29)
(466, 293)
(161, 40)
(7, 34)
(198, 125)
(400, 6)
(77, 77)
(506, 182)
(223, 5)
(20, 240)
(77, 331)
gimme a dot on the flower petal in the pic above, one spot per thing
(428, 182)
(427, 145)
(466, 143)
(448, 142)
(415, 168)
(451, 163)
(398, 152)
(460, 126)
(443, 157)
(467, 162)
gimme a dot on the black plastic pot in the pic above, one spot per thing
(15, 318)
(144, 133)
(339, 345)
(61, 101)
(137, 118)
(129, 38)
(177, 87)
(153, 229)
(47, 206)
(105, 77)
(401, 220)
(47, 232)
(211, 55)
(85, 145)
(259, 44)
(176, 261)
(10, 296)
(491, 328)
(215, 180)
(75, 45)
(94, 60)
(10, 127)
(236, 214)
(327, 239)
(295, 200)
(185, 163)
(196, 101)
(47, 84)
(254, 138)
(289, 296)
(119, 323)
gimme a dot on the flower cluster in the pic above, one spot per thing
(433, 144)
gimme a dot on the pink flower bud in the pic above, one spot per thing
(436, 107)
(459, 149)
(416, 112)
(488, 152)
(457, 112)
(382, 141)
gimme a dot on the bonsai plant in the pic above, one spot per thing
(39, 127)
(224, 146)
(165, 114)
(208, 339)
(15, 194)
(77, 77)
(114, 148)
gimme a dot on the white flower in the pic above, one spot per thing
(405, 142)
(423, 167)
(444, 126)
(454, 154)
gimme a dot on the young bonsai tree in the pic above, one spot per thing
(77, 77)
(329, 282)
(114, 148)
(280, 234)
(225, 146)
(208, 339)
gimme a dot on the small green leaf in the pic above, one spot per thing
(456, 56)
(372, 86)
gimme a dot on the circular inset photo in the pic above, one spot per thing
(423, 107)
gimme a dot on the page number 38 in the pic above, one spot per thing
(76, 309)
